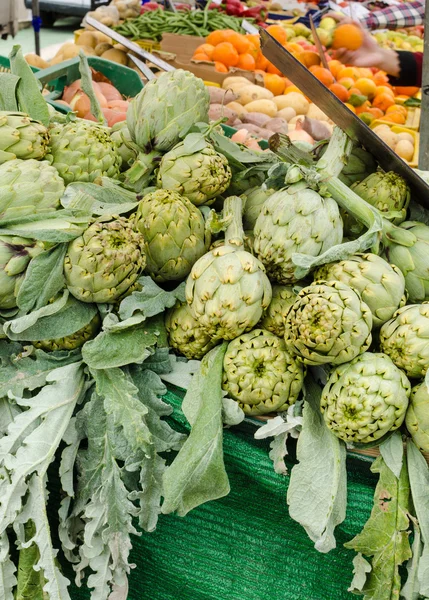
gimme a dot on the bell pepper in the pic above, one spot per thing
(259, 13)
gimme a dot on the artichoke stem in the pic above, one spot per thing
(351, 202)
(337, 154)
(398, 235)
(234, 235)
(140, 173)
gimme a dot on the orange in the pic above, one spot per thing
(347, 82)
(254, 39)
(376, 112)
(406, 90)
(366, 86)
(340, 91)
(239, 41)
(348, 72)
(200, 56)
(216, 37)
(363, 108)
(365, 72)
(347, 36)
(397, 108)
(246, 62)
(395, 117)
(278, 33)
(354, 91)
(335, 66)
(275, 83)
(384, 89)
(272, 69)
(350, 107)
(381, 78)
(220, 67)
(261, 62)
(293, 47)
(292, 88)
(383, 101)
(323, 75)
(205, 49)
(226, 54)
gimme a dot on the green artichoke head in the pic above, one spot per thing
(405, 338)
(164, 111)
(125, 147)
(185, 334)
(328, 324)
(105, 261)
(274, 316)
(366, 398)
(380, 285)
(407, 247)
(227, 288)
(195, 171)
(28, 187)
(260, 374)
(295, 220)
(417, 417)
(73, 341)
(174, 234)
(21, 137)
(15, 256)
(83, 151)
(254, 200)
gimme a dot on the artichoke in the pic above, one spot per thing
(254, 200)
(28, 187)
(295, 219)
(365, 398)
(360, 164)
(260, 374)
(71, 342)
(405, 338)
(185, 334)
(15, 255)
(83, 151)
(104, 262)
(196, 171)
(174, 234)
(388, 192)
(328, 323)
(407, 247)
(160, 116)
(227, 288)
(380, 285)
(274, 316)
(21, 137)
(126, 149)
(417, 417)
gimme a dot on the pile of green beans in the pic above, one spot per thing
(152, 24)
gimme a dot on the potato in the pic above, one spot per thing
(256, 118)
(36, 61)
(88, 50)
(87, 38)
(228, 82)
(116, 56)
(267, 107)
(217, 111)
(237, 108)
(388, 136)
(250, 93)
(404, 135)
(102, 37)
(405, 149)
(314, 112)
(102, 47)
(287, 113)
(220, 96)
(293, 100)
(69, 50)
(59, 58)
(277, 125)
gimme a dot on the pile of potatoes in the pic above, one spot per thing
(403, 143)
(93, 43)
(256, 109)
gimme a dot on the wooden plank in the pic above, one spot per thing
(424, 119)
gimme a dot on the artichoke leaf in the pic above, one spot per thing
(392, 451)
(108, 199)
(28, 92)
(411, 588)
(9, 84)
(385, 536)
(151, 300)
(7, 569)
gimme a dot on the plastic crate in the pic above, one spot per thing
(55, 78)
(148, 45)
(229, 132)
(5, 65)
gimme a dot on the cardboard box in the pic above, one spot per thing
(178, 51)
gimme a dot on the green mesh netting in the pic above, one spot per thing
(245, 546)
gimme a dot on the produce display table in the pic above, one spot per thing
(245, 546)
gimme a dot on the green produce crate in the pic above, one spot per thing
(229, 132)
(55, 78)
(5, 65)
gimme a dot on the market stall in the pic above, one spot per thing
(214, 359)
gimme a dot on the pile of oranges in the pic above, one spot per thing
(365, 91)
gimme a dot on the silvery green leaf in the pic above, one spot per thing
(149, 498)
(411, 588)
(28, 92)
(55, 227)
(317, 494)
(392, 451)
(110, 350)
(278, 452)
(16, 326)
(151, 300)
(361, 568)
(7, 569)
(232, 414)
(182, 371)
(193, 142)
(35, 510)
(33, 437)
(108, 199)
(8, 412)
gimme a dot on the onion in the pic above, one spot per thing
(298, 134)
